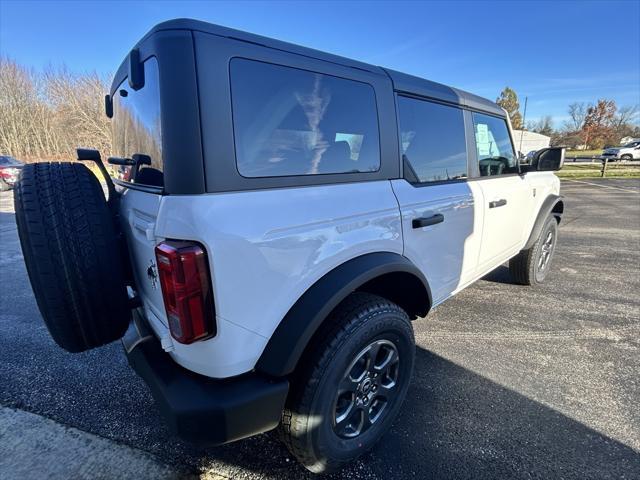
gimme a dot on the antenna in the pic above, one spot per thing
(524, 118)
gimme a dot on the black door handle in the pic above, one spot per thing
(426, 221)
(497, 203)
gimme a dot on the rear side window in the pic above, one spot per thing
(296, 122)
(433, 141)
(493, 144)
(136, 127)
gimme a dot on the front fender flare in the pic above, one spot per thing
(552, 204)
(291, 337)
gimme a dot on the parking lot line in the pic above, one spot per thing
(604, 186)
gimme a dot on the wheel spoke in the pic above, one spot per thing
(347, 385)
(389, 357)
(352, 424)
(373, 355)
(345, 412)
(377, 408)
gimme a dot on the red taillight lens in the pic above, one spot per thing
(186, 290)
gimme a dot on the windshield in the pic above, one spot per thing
(630, 145)
(136, 126)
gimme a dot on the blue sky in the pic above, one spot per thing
(553, 52)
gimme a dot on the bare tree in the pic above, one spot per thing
(578, 113)
(47, 115)
(543, 126)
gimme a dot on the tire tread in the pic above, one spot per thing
(71, 252)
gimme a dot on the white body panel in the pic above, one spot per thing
(265, 248)
(504, 232)
(447, 252)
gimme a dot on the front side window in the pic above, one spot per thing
(493, 145)
(433, 141)
(136, 125)
(295, 122)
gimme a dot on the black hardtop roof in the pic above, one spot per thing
(401, 81)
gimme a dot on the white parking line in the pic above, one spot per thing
(604, 186)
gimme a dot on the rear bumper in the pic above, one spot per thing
(200, 409)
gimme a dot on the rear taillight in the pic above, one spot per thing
(186, 290)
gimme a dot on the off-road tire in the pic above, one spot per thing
(72, 256)
(524, 267)
(306, 427)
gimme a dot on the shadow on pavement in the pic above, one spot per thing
(457, 424)
(499, 275)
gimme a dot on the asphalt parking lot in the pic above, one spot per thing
(510, 381)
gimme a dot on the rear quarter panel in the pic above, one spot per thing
(267, 247)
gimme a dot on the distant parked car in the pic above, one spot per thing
(630, 151)
(9, 171)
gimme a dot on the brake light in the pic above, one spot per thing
(186, 289)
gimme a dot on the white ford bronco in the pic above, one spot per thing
(279, 217)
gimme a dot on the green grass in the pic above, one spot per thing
(592, 170)
(583, 153)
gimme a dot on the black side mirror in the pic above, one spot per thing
(108, 106)
(548, 159)
(136, 70)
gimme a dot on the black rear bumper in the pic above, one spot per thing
(198, 408)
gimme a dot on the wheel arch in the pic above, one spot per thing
(386, 274)
(552, 205)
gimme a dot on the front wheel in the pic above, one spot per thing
(351, 385)
(531, 266)
(626, 157)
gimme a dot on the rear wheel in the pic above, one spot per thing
(531, 266)
(72, 255)
(626, 157)
(352, 383)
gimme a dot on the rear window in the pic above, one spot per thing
(136, 126)
(433, 141)
(296, 122)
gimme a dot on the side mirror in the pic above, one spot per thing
(108, 106)
(548, 159)
(136, 70)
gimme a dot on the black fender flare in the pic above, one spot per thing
(291, 337)
(552, 204)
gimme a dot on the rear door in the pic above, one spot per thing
(440, 221)
(507, 195)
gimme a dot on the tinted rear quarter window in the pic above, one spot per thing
(289, 121)
(432, 140)
(136, 125)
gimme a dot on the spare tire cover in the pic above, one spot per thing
(72, 254)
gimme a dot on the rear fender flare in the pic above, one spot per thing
(301, 322)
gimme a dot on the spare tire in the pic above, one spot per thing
(72, 254)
